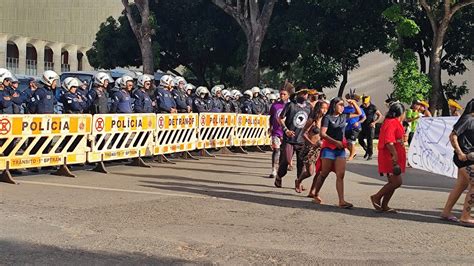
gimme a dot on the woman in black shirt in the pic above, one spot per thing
(462, 140)
(333, 154)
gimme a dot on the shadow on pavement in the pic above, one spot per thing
(412, 179)
(24, 253)
(207, 170)
(229, 193)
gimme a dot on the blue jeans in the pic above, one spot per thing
(333, 154)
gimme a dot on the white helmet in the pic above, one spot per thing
(178, 80)
(166, 81)
(273, 97)
(142, 79)
(255, 90)
(48, 77)
(249, 93)
(117, 83)
(101, 77)
(226, 93)
(236, 93)
(266, 91)
(215, 90)
(5, 73)
(189, 87)
(201, 91)
(70, 82)
(125, 78)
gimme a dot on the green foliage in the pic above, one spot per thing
(455, 92)
(393, 13)
(407, 28)
(408, 82)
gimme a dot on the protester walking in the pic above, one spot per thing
(462, 140)
(333, 154)
(373, 116)
(392, 156)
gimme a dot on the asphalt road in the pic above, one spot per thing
(223, 211)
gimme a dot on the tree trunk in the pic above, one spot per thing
(251, 76)
(435, 68)
(147, 56)
(344, 79)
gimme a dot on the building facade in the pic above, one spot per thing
(38, 35)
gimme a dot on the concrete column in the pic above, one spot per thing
(3, 50)
(85, 62)
(72, 50)
(21, 43)
(39, 46)
(56, 47)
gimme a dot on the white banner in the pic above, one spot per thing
(430, 149)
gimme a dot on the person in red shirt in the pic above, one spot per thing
(392, 156)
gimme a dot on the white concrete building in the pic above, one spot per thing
(37, 35)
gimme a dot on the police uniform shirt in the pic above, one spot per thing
(43, 101)
(180, 97)
(73, 103)
(121, 102)
(164, 100)
(201, 105)
(97, 101)
(248, 106)
(143, 103)
(6, 106)
(16, 100)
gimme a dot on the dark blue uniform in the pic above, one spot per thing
(258, 106)
(26, 96)
(235, 106)
(164, 101)
(217, 105)
(201, 105)
(143, 103)
(122, 102)
(16, 100)
(247, 106)
(6, 106)
(83, 94)
(43, 101)
(97, 101)
(73, 103)
(180, 97)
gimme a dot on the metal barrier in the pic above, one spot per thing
(42, 141)
(175, 133)
(215, 130)
(251, 130)
(121, 136)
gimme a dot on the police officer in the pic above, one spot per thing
(27, 94)
(217, 102)
(143, 102)
(235, 101)
(180, 96)
(43, 100)
(202, 102)
(164, 99)
(247, 106)
(190, 89)
(6, 104)
(97, 96)
(73, 102)
(226, 101)
(17, 100)
(259, 105)
(121, 100)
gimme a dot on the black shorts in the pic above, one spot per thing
(461, 164)
(352, 135)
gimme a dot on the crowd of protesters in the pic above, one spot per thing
(319, 132)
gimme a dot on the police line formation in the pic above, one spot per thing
(130, 123)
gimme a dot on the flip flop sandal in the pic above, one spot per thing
(390, 210)
(277, 182)
(451, 219)
(346, 205)
(466, 224)
(376, 205)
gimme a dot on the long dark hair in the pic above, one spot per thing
(395, 110)
(469, 109)
(317, 108)
(333, 105)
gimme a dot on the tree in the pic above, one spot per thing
(143, 30)
(409, 83)
(253, 18)
(113, 46)
(440, 14)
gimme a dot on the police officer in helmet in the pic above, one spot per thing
(180, 96)
(164, 99)
(43, 100)
(72, 101)
(202, 103)
(97, 95)
(121, 100)
(143, 102)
